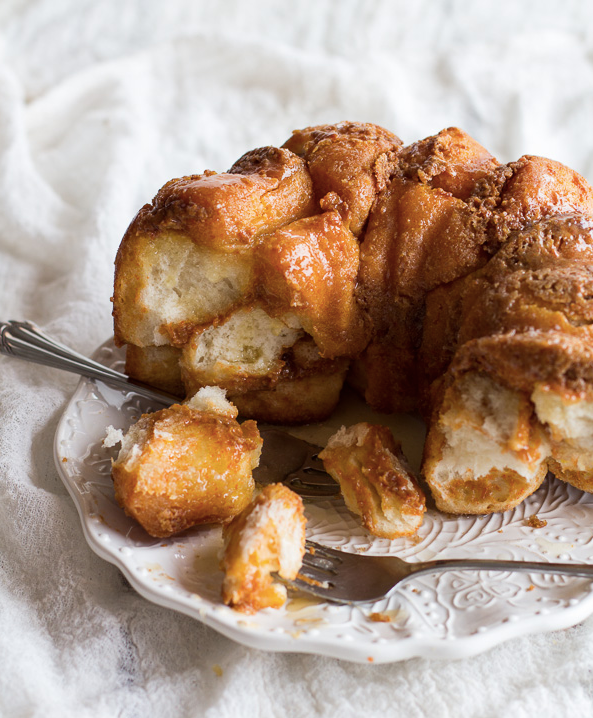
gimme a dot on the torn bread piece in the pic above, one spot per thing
(376, 481)
(187, 258)
(187, 464)
(485, 451)
(267, 537)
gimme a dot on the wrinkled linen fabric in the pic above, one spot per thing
(101, 102)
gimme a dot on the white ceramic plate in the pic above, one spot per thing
(451, 615)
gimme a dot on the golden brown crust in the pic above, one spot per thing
(520, 361)
(578, 478)
(181, 467)
(350, 163)
(540, 280)
(228, 211)
(157, 366)
(535, 293)
(419, 236)
(495, 492)
(310, 268)
(224, 232)
(447, 209)
(451, 160)
(302, 398)
(538, 188)
(267, 537)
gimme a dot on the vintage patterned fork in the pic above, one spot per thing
(354, 578)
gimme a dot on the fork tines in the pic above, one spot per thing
(320, 558)
(320, 565)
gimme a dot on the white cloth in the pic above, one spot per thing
(101, 102)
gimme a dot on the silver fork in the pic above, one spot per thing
(284, 458)
(353, 578)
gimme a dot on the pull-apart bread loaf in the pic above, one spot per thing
(429, 276)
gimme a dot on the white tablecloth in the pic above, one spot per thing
(101, 102)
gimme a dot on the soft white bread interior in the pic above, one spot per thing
(247, 347)
(212, 400)
(484, 451)
(267, 537)
(176, 283)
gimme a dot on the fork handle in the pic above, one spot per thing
(568, 569)
(24, 340)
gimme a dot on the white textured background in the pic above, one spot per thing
(101, 102)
